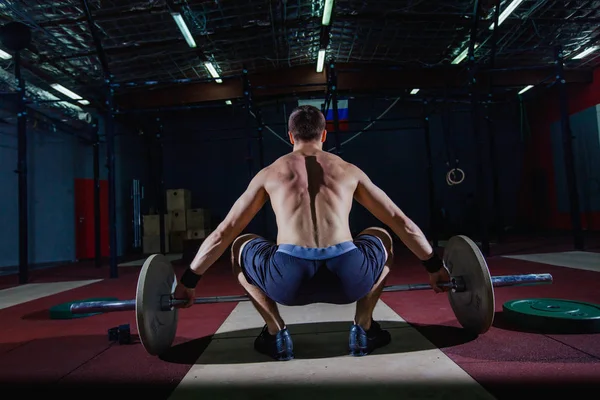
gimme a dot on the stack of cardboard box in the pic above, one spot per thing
(198, 223)
(181, 222)
(178, 202)
(151, 238)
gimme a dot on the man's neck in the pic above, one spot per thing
(308, 147)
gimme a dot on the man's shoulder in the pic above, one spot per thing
(275, 166)
(349, 167)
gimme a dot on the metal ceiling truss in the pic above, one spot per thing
(146, 50)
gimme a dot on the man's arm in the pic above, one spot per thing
(383, 208)
(240, 215)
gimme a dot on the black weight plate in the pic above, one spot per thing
(156, 327)
(474, 307)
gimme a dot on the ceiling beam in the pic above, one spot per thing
(351, 79)
(177, 42)
(110, 14)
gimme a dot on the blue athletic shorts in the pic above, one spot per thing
(294, 275)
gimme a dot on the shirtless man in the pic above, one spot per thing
(315, 259)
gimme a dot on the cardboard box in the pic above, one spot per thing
(151, 244)
(177, 239)
(178, 220)
(151, 224)
(198, 218)
(197, 233)
(179, 199)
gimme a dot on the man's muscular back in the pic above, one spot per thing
(311, 194)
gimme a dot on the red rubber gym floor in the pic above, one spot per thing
(39, 353)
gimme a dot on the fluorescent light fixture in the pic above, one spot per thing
(228, 102)
(187, 35)
(65, 91)
(507, 11)
(414, 91)
(213, 72)
(327, 8)
(526, 88)
(70, 94)
(586, 52)
(4, 55)
(320, 60)
(463, 55)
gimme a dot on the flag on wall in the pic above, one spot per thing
(342, 112)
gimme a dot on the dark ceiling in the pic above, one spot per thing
(281, 39)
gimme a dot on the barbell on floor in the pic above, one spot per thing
(168, 303)
(471, 294)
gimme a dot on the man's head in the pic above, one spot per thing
(307, 124)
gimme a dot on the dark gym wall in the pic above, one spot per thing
(51, 165)
(55, 160)
(130, 163)
(544, 193)
(213, 164)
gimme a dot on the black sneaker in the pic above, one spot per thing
(279, 346)
(362, 343)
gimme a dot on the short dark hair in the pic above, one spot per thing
(307, 123)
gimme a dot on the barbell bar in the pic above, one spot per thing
(471, 295)
(456, 284)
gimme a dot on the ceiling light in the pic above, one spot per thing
(213, 72)
(327, 9)
(60, 88)
(414, 91)
(187, 35)
(320, 60)
(4, 55)
(462, 55)
(507, 11)
(228, 102)
(586, 52)
(526, 88)
(65, 91)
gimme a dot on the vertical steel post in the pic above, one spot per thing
(259, 137)
(109, 127)
(567, 137)
(250, 108)
(498, 214)
(97, 211)
(326, 103)
(160, 185)
(482, 195)
(248, 102)
(332, 86)
(433, 219)
(112, 189)
(261, 160)
(22, 171)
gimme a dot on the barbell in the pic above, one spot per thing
(471, 294)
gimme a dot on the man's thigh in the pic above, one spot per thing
(359, 269)
(383, 236)
(278, 275)
(237, 247)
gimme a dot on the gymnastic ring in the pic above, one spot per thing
(450, 176)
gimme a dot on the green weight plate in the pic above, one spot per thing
(63, 311)
(554, 315)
